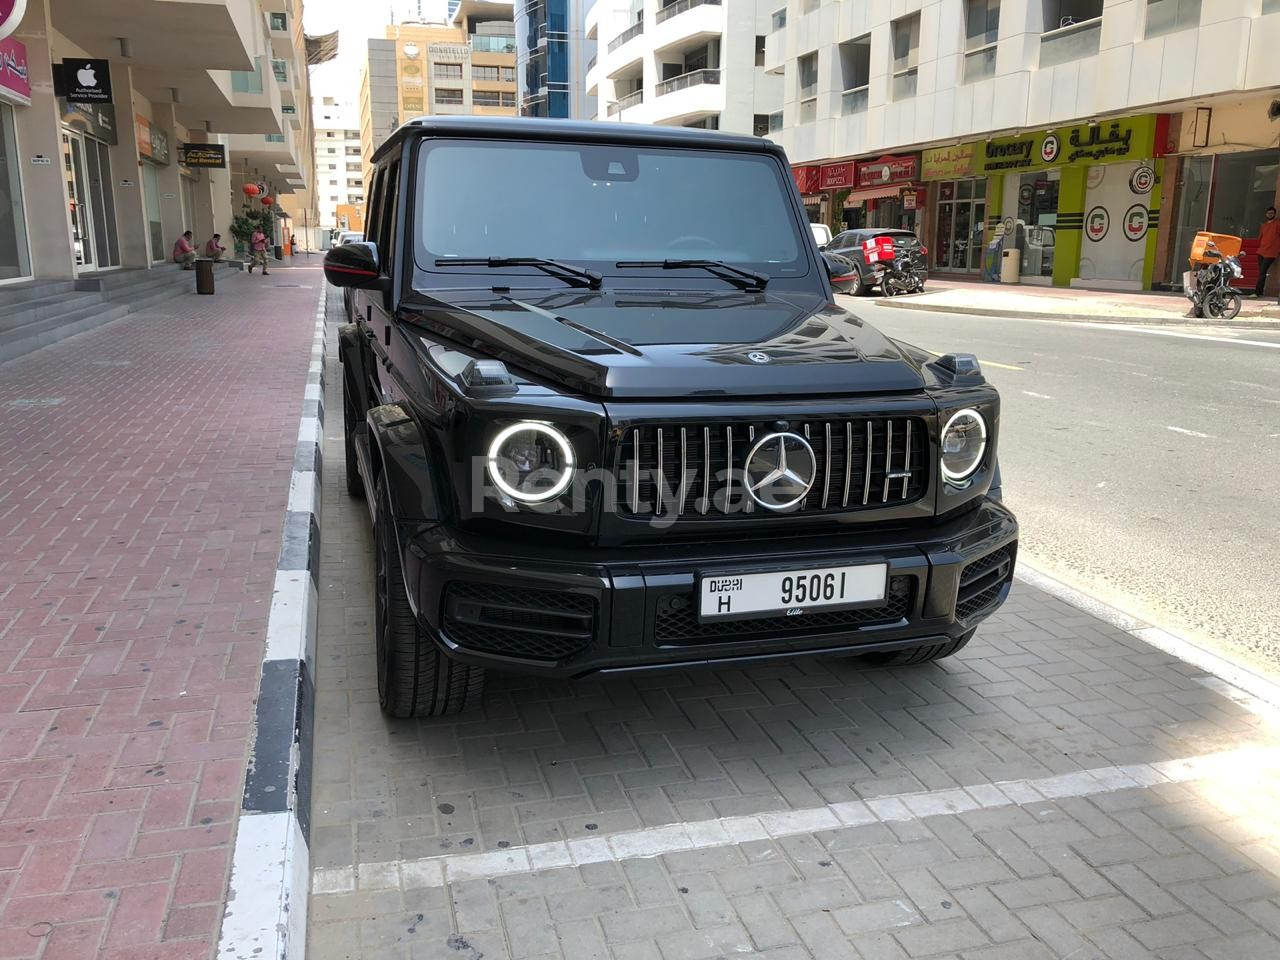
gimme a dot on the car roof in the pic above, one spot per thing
(874, 232)
(542, 129)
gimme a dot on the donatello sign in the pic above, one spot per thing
(11, 12)
(1109, 141)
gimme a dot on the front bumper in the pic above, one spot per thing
(551, 611)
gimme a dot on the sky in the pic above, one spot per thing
(356, 21)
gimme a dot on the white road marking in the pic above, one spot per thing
(1243, 765)
(1039, 396)
(1126, 328)
(1190, 433)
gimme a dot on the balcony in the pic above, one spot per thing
(630, 100)
(1075, 41)
(482, 43)
(683, 81)
(630, 33)
(854, 101)
(679, 7)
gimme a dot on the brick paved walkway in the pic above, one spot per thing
(811, 811)
(144, 471)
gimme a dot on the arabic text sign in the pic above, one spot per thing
(877, 173)
(11, 12)
(1106, 142)
(15, 80)
(949, 163)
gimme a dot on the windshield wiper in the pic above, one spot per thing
(574, 276)
(742, 279)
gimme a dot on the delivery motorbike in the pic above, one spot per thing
(1215, 263)
(900, 275)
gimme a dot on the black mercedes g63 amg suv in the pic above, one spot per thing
(608, 416)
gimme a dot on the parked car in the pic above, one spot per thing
(821, 234)
(346, 236)
(849, 243)
(617, 423)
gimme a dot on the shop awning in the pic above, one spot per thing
(875, 193)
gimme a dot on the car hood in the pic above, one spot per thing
(674, 344)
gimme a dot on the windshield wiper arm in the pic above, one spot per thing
(740, 278)
(574, 276)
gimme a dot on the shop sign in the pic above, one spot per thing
(1142, 179)
(15, 80)
(152, 142)
(1135, 223)
(836, 176)
(912, 199)
(11, 12)
(1107, 142)
(1097, 223)
(449, 51)
(86, 81)
(159, 145)
(877, 173)
(808, 178)
(949, 163)
(99, 121)
(208, 155)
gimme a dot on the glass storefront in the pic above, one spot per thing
(890, 214)
(91, 202)
(151, 193)
(1038, 216)
(960, 225)
(1248, 182)
(15, 257)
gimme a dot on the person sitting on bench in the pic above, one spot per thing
(184, 252)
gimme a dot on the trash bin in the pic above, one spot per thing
(1011, 266)
(204, 275)
(279, 252)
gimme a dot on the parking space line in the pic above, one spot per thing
(1244, 765)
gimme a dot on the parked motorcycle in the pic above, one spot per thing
(1208, 283)
(900, 275)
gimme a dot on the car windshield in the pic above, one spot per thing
(596, 205)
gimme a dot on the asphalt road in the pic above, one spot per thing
(1144, 467)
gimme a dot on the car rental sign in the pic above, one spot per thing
(11, 12)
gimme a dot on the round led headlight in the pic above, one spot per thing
(531, 462)
(964, 441)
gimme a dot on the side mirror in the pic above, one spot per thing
(353, 265)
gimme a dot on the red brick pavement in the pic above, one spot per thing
(144, 472)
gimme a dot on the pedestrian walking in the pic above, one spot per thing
(1268, 247)
(184, 252)
(214, 248)
(258, 251)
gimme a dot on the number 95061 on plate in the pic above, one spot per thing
(790, 592)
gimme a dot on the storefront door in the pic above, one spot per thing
(91, 203)
(962, 217)
(1037, 201)
(151, 193)
(15, 259)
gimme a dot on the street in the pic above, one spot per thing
(1142, 465)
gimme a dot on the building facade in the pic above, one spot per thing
(339, 166)
(553, 53)
(1095, 135)
(462, 67)
(117, 133)
(693, 63)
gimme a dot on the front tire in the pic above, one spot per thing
(1222, 304)
(925, 654)
(414, 678)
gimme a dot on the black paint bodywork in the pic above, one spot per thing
(577, 360)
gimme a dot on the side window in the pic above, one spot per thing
(375, 207)
(387, 215)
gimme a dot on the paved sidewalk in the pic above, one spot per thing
(1059, 791)
(990, 299)
(144, 473)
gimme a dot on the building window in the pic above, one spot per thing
(775, 121)
(288, 109)
(1166, 16)
(485, 98)
(445, 95)
(279, 22)
(508, 75)
(333, 199)
(808, 75)
(906, 56)
(333, 150)
(353, 134)
(329, 134)
(759, 51)
(981, 30)
(333, 166)
(760, 125)
(1072, 30)
(1271, 6)
(14, 259)
(447, 71)
(855, 74)
(281, 69)
(779, 19)
(508, 98)
(486, 74)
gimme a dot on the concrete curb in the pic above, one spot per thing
(905, 303)
(1237, 679)
(266, 911)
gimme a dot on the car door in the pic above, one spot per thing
(379, 307)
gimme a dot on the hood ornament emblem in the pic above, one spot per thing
(758, 356)
(780, 471)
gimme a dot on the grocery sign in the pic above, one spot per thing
(1106, 142)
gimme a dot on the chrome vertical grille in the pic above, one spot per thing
(694, 470)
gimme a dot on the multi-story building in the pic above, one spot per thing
(692, 63)
(102, 108)
(1095, 135)
(465, 66)
(339, 167)
(553, 53)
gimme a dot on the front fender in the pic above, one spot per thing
(399, 460)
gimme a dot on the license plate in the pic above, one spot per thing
(790, 592)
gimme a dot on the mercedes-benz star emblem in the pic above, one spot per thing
(758, 357)
(780, 470)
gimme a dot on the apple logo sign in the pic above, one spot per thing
(87, 77)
